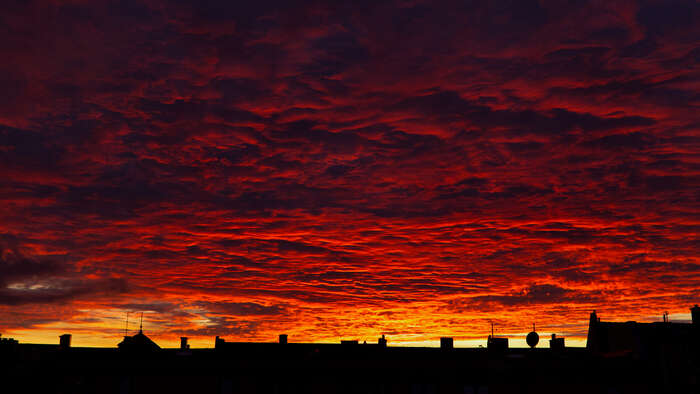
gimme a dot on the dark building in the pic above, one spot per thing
(64, 341)
(497, 344)
(670, 348)
(446, 343)
(138, 343)
(640, 340)
(7, 341)
(621, 358)
(556, 343)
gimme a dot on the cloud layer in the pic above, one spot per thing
(335, 170)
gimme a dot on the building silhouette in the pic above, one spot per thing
(670, 348)
(7, 341)
(140, 343)
(619, 358)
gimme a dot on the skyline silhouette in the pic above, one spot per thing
(341, 170)
(501, 340)
(627, 357)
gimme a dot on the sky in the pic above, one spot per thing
(342, 170)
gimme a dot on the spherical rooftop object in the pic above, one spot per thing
(532, 339)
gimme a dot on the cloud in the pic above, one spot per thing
(14, 265)
(242, 309)
(27, 280)
(536, 294)
(54, 291)
(330, 169)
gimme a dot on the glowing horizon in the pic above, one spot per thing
(108, 339)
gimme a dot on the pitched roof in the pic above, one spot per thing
(139, 342)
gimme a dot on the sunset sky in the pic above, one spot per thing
(345, 169)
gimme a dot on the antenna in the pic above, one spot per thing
(141, 326)
(492, 329)
(126, 327)
(533, 327)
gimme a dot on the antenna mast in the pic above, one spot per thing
(141, 326)
(126, 327)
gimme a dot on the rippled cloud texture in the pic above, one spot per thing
(346, 169)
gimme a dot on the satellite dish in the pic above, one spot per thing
(532, 338)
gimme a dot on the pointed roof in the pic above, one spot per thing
(138, 342)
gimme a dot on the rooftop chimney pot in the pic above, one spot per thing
(64, 341)
(446, 343)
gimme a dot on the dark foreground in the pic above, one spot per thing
(330, 368)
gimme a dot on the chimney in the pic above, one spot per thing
(592, 338)
(446, 343)
(283, 339)
(183, 343)
(64, 341)
(556, 343)
(382, 341)
(695, 314)
(594, 318)
(497, 344)
(218, 342)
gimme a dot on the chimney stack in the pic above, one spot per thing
(497, 344)
(283, 339)
(695, 314)
(382, 341)
(593, 318)
(183, 343)
(64, 341)
(446, 343)
(556, 343)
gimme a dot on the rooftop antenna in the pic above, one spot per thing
(141, 326)
(126, 327)
(532, 338)
(665, 317)
(492, 336)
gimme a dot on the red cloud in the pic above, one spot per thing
(337, 171)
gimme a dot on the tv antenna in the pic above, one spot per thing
(141, 325)
(126, 327)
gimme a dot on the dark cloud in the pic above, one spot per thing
(326, 167)
(536, 294)
(44, 280)
(14, 265)
(59, 290)
(242, 308)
